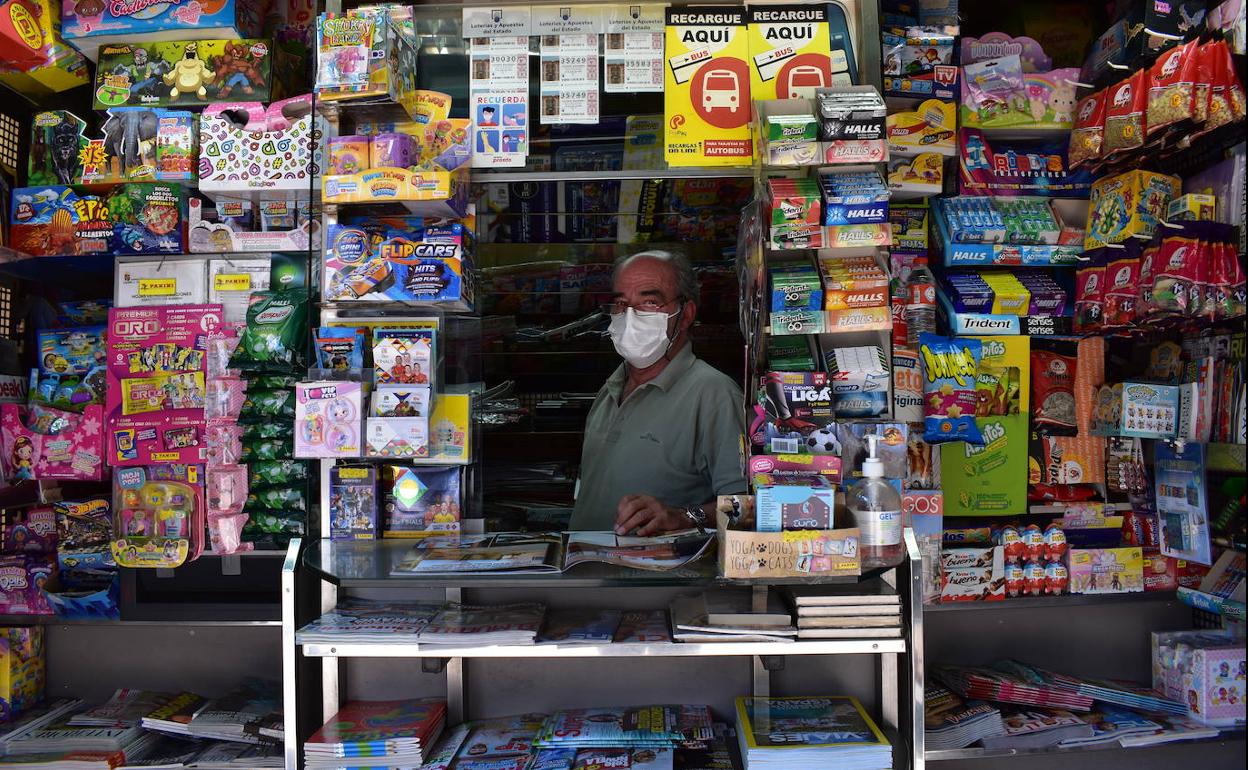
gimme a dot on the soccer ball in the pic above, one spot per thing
(823, 441)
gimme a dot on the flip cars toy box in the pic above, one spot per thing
(182, 74)
(269, 155)
(133, 218)
(381, 263)
(87, 23)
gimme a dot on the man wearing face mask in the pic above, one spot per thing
(663, 438)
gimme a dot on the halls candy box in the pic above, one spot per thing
(180, 74)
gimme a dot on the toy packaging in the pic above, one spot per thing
(1136, 409)
(85, 23)
(706, 91)
(804, 465)
(134, 218)
(1003, 167)
(379, 262)
(232, 225)
(930, 127)
(156, 390)
(1128, 205)
(35, 60)
(327, 419)
(21, 670)
(43, 443)
(57, 140)
(141, 144)
(421, 501)
(266, 156)
(29, 530)
(165, 282)
(158, 515)
(450, 430)
(1106, 570)
(71, 351)
(919, 63)
(353, 503)
(182, 74)
(368, 52)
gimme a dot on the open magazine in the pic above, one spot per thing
(522, 553)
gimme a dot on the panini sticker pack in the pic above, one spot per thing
(156, 367)
(706, 91)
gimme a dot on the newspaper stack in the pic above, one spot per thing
(125, 707)
(1006, 682)
(54, 733)
(175, 715)
(952, 723)
(466, 625)
(868, 611)
(229, 717)
(726, 616)
(396, 733)
(810, 734)
(362, 621)
(655, 727)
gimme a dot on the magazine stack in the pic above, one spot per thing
(652, 727)
(810, 734)
(396, 733)
(464, 625)
(952, 723)
(872, 611)
(362, 621)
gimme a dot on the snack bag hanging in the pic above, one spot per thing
(950, 369)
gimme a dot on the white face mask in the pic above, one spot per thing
(640, 337)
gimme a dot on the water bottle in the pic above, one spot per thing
(921, 306)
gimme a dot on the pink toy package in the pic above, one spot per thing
(157, 359)
(44, 443)
(327, 419)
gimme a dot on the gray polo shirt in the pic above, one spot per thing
(677, 438)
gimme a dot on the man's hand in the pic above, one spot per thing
(647, 516)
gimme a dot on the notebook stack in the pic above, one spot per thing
(812, 733)
(868, 611)
(726, 616)
(952, 723)
(396, 733)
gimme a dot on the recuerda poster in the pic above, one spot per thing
(707, 87)
(790, 53)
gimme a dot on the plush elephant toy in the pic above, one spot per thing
(124, 133)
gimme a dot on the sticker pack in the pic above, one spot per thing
(156, 383)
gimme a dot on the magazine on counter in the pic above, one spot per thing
(784, 723)
(639, 626)
(521, 553)
(1110, 724)
(580, 626)
(1036, 727)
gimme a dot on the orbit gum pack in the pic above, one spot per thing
(382, 261)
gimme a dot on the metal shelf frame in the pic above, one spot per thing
(899, 667)
(1225, 738)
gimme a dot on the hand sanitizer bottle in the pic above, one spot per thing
(876, 508)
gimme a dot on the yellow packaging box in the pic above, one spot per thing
(1010, 297)
(790, 51)
(1128, 205)
(930, 127)
(706, 95)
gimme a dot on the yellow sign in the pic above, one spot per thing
(25, 26)
(790, 51)
(158, 287)
(706, 87)
(231, 282)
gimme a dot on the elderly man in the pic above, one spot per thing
(664, 436)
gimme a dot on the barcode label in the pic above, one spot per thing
(785, 446)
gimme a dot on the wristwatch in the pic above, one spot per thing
(698, 516)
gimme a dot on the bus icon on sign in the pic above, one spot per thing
(804, 80)
(721, 90)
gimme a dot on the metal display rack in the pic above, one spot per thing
(325, 568)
